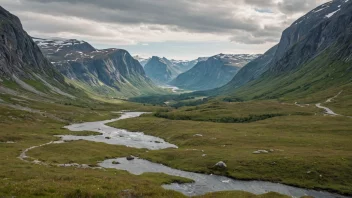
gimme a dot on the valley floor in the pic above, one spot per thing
(305, 148)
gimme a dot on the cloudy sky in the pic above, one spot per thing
(180, 29)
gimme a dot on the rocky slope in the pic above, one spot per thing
(251, 71)
(112, 72)
(162, 70)
(141, 60)
(215, 72)
(22, 64)
(314, 55)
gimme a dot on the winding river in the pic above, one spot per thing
(110, 135)
(203, 183)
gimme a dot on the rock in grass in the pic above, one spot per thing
(198, 135)
(260, 152)
(129, 158)
(221, 165)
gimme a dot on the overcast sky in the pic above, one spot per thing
(180, 29)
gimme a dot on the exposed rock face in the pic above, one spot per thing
(320, 29)
(252, 70)
(159, 70)
(162, 70)
(110, 71)
(315, 50)
(302, 27)
(22, 62)
(142, 61)
(19, 55)
(215, 72)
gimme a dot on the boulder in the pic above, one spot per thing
(115, 162)
(260, 152)
(221, 165)
(129, 158)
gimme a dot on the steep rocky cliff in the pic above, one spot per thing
(22, 62)
(112, 72)
(314, 55)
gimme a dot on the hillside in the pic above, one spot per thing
(215, 72)
(108, 72)
(23, 67)
(313, 59)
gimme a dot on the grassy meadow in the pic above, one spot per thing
(307, 148)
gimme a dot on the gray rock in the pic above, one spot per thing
(260, 152)
(129, 158)
(221, 165)
(115, 162)
(20, 57)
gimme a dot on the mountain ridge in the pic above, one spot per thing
(112, 72)
(22, 63)
(214, 72)
(310, 63)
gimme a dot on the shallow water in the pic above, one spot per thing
(173, 88)
(210, 183)
(203, 183)
(115, 136)
(327, 110)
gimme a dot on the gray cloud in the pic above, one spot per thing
(261, 3)
(124, 19)
(193, 15)
(296, 6)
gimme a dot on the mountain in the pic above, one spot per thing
(162, 70)
(251, 71)
(111, 72)
(215, 72)
(184, 65)
(22, 64)
(314, 57)
(142, 61)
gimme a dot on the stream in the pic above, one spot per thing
(203, 183)
(210, 183)
(115, 136)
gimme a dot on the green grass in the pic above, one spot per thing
(318, 144)
(301, 143)
(312, 82)
(233, 112)
(38, 85)
(21, 179)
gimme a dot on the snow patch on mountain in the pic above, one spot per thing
(332, 13)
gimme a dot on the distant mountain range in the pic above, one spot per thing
(111, 72)
(163, 70)
(314, 55)
(213, 72)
